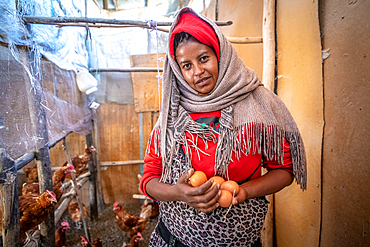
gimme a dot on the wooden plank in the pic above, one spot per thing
(146, 93)
(9, 201)
(118, 127)
(121, 163)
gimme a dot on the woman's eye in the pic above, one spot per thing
(204, 58)
(186, 66)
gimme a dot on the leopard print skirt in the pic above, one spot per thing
(241, 226)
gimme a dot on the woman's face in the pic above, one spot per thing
(198, 64)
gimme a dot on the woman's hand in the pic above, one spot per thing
(201, 197)
(240, 197)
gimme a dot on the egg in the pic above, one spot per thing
(230, 186)
(225, 199)
(198, 178)
(217, 180)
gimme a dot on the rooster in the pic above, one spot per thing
(34, 208)
(134, 240)
(149, 209)
(80, 162)
(75, 211)
(58, 180)
(132, 224)
(96, 243)
(60, 234)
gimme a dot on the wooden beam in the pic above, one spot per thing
(62, 20)
(245, 40)
(121, 163)
(75, 186)
(97, 158)
(24, 160)
(92, 178)
(39, 131)
(9, 201)
(268, 76)
(128, 70)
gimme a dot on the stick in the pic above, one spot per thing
(74, 185)
(61, 20)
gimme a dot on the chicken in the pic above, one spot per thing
(32, 188)
(134, 240)
(132, 224)
(31, 174)
(34, 208)
(96, 243)
(80, 162)
(149, 209)
(58, 179)
(32, 180)
(60, 234)
(75, 211)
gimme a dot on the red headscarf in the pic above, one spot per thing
(204, 33)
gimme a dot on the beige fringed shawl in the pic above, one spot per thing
(242, 99)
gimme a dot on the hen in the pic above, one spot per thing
(132, 224)
(96, 243)
(134, 240)
(80, 162)
(60, 234)
(75, 211)
(58, 180)
(31, 174)
(34, 208)
(149, 209)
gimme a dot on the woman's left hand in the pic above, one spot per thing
(240, 197)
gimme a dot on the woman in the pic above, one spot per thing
(218, 118)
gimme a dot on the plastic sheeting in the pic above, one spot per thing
(23, 68)
(39, 99)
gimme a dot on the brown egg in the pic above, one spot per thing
(230, 186)
(198, 178)
(225, 199)
(217, 180)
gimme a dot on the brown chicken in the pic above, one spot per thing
(32, 188)
(60, 234)
(80, 162)
(75, 211)
(134, 240)
(96, 243)
(31, 174)
(149, 209)
(132, 224)
(34, 208)
(58, 180)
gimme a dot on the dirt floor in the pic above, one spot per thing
(106, 228)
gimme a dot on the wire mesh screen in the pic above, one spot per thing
(63, 103)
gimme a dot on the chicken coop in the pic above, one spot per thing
(80, 84)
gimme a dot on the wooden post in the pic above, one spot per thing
(268, 79)
(9, 200)
(97, 159)
(74, 185)
(93, 192)
(40, 134)
(268, 75)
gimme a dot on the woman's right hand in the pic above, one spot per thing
(201, 197)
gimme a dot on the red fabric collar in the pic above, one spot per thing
(199, 29)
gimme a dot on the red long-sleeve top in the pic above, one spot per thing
(238, 169)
